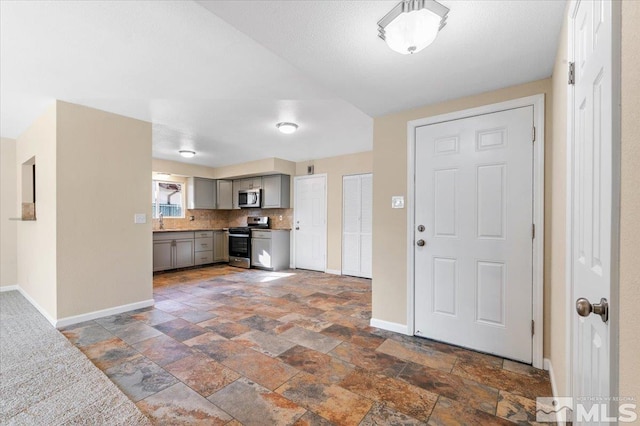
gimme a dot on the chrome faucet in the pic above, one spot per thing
(161, 221)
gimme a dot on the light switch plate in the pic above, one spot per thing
(397, 202)
(139, 218)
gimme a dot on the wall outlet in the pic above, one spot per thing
(139, 218)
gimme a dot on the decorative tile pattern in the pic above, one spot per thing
(397, 394)
(329, 401)
(380, 414)
(252, 404)
(139, 378)
(245, 347)
(202, 374)
(179, 405)
(163, 349)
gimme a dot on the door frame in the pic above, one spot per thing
(296, 179)
(537, 101)
(614, 295)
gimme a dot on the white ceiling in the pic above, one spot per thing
(216, 76)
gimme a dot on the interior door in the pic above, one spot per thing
(591, 194)
(310, 227)
(357, 207)
(473, 251)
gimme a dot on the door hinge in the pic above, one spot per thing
(533, 327)
(533, 231)
(572, 73)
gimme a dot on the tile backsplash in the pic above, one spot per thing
(216, 219)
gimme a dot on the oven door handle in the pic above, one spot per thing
(239, 235)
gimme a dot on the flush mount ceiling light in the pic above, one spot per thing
(412, 25)
(287, 128)
(186, 153)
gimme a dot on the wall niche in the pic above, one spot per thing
(29, 189)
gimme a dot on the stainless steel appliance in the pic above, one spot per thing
(240, 241)
(249, 198)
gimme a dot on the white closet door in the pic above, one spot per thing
(357, 225)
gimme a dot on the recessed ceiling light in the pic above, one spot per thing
(186, 153)
(287, 128)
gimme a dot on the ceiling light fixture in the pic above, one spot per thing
(186, 153)
(287, 128)
(412, 25)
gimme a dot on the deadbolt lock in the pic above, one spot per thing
(420, 228)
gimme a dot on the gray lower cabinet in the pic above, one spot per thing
(270, 249)
(173, 250)
(221, 246)
(184, 253)
(162, 255)
(181, 249)
(203, 250)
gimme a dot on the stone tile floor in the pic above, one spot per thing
(229, 346)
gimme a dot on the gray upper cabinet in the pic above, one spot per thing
(201, 193)
(275, 191)
(224, 195)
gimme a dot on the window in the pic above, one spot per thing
(168, 199)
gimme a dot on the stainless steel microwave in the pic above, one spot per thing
(249, 198)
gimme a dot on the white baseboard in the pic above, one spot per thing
(65, 322)
(333, 271)
(9, 288)
(389, 326)
(552, 377)
(37, 306)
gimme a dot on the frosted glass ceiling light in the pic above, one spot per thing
(186, 153)
(412, 25)
(287, 128)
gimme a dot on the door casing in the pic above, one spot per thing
(614, 314)
(537, 101)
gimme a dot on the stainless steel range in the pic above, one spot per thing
(240, 241)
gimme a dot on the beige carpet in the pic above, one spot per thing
(45, 380)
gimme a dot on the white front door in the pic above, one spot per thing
(591, 189)
(310, 222)
(474, 214)
(357, 221)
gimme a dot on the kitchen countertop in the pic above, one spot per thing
(190, 230)
(213, 229)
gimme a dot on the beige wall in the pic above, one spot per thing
(336, 168)
(555, 258)
(8, 209)
(630, 204)
(36, 240)
(103, 178)
(390, 178)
